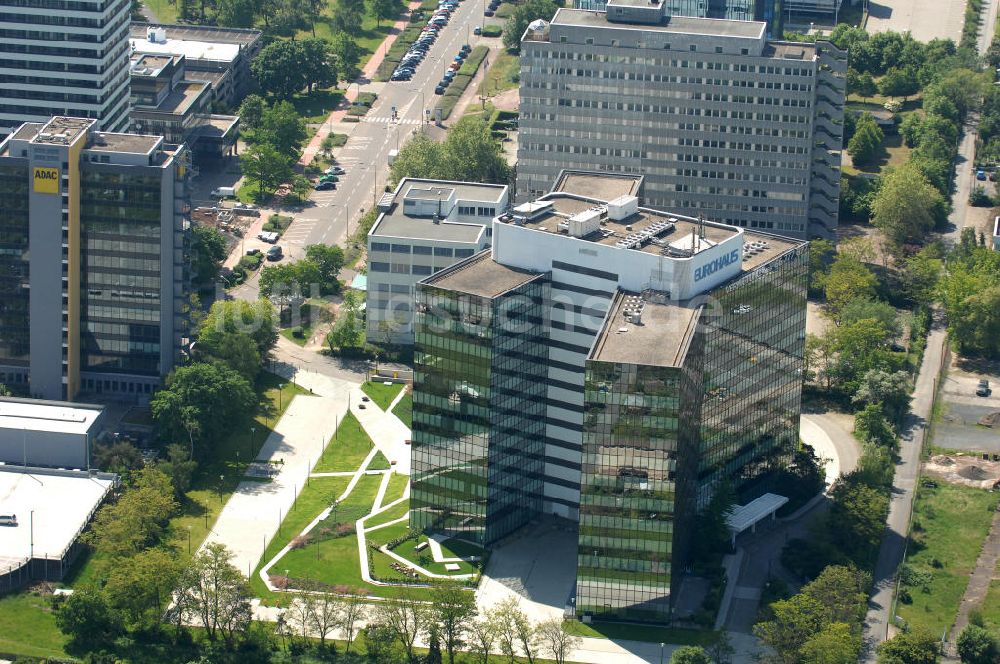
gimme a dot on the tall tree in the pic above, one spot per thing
(690, 655)
(795, 621)
(453, 609)
(557, 641)
(348, 16)
(915, 647)
(208, 249)
(329, 260)
(215, 594)
(866, 143)
(837, 643)
(320, 63)
(847, 280)
(265, 164)
(283, 127)
(383, 10)
(138, 519)
(907, 206)
(254, 319)
(235, 13)
(346, 53)
(407, 618)
(89, 622)
(977, 646)
(138, 587)
(279, 68)
(482, 636)
(523, 14)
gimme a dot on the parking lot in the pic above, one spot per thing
(961, 410)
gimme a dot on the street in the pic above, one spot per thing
(365, 156)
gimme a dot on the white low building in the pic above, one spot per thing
(52, 434)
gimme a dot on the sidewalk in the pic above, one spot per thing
(366, 76)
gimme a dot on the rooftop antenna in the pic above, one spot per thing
(701, 226)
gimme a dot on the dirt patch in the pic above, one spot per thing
(967, 470)
(508, 100)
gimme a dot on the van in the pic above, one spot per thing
(8, 519)
(224, 192)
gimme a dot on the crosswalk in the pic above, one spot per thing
(387, 119)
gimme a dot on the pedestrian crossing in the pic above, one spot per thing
(387, 119)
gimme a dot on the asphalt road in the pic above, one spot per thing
(893, 546)
(365, 156)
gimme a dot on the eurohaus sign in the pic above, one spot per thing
(719, 263)
(45, 179)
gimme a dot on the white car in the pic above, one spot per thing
(334, 170)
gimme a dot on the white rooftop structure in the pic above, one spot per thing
(52, 508)
(192, 49)
(53, 417)
(749, 515)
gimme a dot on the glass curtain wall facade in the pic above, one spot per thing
(121, 246)
(753, 358)
(478, 411)
(15, 334)
(628, 492)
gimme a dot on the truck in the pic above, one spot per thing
(224, 192)
(392, 156)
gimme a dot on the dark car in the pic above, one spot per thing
(488, 12)
(253, 252)
(478, 30)
(439, 90)
(325, 186)
(444, 82)
(465, 48)
(983, 389)
(274, 253)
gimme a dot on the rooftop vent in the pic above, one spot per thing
(156, 35)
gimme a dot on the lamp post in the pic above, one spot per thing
(661, 653)
(281, 386)
(189, 539)
(253, 430)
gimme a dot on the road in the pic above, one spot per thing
(365, 156)
(897, 526)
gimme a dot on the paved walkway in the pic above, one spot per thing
(250, 520)
(366, 76)
(979, 581)
(837, 448)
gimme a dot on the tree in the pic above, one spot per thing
(235, 13)
(848, 280)
(280, 69)
(501, 619)
(201, 401)
(263, 163)
(872, 426)
(121, 457)
(842, 591)
(523, 14)
(346, 52)
(866, 143)
(890, 390)
(407, 618)
(837, 643)
(470, 153)
(208, 250)
(453, 608)
(858, 517)
(822, 253)
(254, 319)
(138, 587)
(355, 612)
(527, 634)
(383, 10)
(977, 646)
(379, 638)
(557, 642)
(916, 647)
(720, 649)
(87, 619)
(321, 66)
(921, 274)
(348, 15)
(899, 82)
(865, 85)
(234, 350)
(329, 260)
(690, 655)
(179, 467)
(907, 206)
(214, 593)
(346, 332)
(863, 307)
(327, 613)
(252, 113)
(795, 621)
(977, 327)
(300, 613)
(433, 655)
(283, 127)
(482, 634)
(5, 391)
(139, 518)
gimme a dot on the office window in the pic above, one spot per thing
(400, 268)
(718, 49)
(378, 267)
(444, 251)
(380, 246)
(422, 269)
(425, 251)
(463, 253)
(400, 248)
(693, 47)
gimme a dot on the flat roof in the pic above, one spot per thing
(182, 97)
(27, 131)
(62, 503)
(481, 275)
(592, 184)
(62, 130)
(137, 30)
(745, 516)
(394, 222)
(154, 63)
(659, 339)
(712, 27)
(191, 49)
(131, 143)
(51, 416)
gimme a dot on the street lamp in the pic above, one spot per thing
(253, 430)
(661, 653)
(281, 386)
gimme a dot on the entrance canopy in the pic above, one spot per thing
(749, 515)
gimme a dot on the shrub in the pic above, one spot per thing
(297, 332)
(492, 31)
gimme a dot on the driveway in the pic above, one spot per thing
(961, 409)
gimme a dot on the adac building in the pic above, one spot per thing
(612, 365)
(93, 248)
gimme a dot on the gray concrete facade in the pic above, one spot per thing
(720, 121)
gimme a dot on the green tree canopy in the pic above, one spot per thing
(138, 519)
(470, 153)
(866, 143)
(88, 621)
(977, 646)
(254, 319)
(208, 249)
(690, 655)
(280, 69)
(329, 260)
(523, 14)
(265, 165)
(915, 647)
(907, 206)
(848, 280)
(858, 517)
(837, 643)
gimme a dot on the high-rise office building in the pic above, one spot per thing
(93, 276)
(64, 57)
(719, 120)
(612, 365)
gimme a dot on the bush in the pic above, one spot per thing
(297, 332)
(492, 31)
(979, 197)
(250, 262)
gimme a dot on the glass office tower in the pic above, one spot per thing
(15, 336)
(479, 406)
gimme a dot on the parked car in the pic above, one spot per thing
(444, 82)
(439, 90)
(983, 389)
(980, 174)
(365, 398)
(335, 170)
(253, 252)
(329, 178)
(269, 237)
(325, 186)
(274, 253)
(450, 74)
(478, 30)
(465, 49)
(488, 12)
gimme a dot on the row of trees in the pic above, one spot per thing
(285, 67)
(470, 153)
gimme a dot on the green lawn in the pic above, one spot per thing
(504, 74)
(347, 448)
(302, 339)
(316, 107)
(423, 558)
(635, 632)
(991, 605)
(28, 626)
(949, 525)
(391, 514)
(164, 11)
(404, 410)
(382, 394)
(368, 38)
(397, 485)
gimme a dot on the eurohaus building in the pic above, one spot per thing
(611, 365)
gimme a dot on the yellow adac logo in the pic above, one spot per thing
(46, 180)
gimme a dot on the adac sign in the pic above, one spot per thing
(714, 266)
(46, 180)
